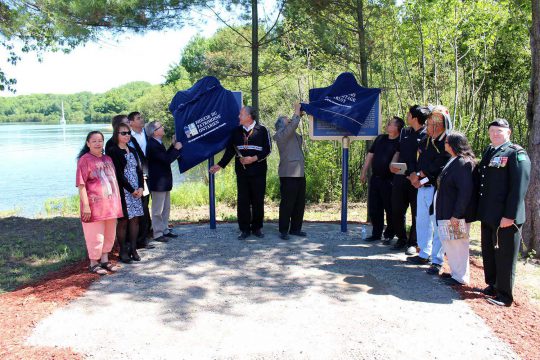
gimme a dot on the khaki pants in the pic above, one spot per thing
(161, 208)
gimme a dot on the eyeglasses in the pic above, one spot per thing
(159, 127)
(124, 133)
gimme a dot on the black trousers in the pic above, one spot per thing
(250, 207)
(380, 202)
(500, 264)
(403, 195)
(145, 223)
(292, 204)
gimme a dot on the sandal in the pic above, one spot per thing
(96, 269)
(109, 266)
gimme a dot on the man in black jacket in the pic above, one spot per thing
(160, 180)
(432, 158)
(503, 174)
(403, 192)
(380, 184)
(140, 141)
(251, 144)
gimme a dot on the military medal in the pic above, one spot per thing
(495, 162)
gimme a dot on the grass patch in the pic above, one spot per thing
(31, 248)
(66, 206)
(12, 212)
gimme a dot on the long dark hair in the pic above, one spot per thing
(116, 131)
(460, 146)
(85, 149)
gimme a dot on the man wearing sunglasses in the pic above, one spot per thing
(160, 180)
(431, 160)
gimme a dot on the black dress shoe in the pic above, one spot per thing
(489, 291)
(162, 239)
(284, 236)
(243, 235)
(434, 269)
(258, 233)
(498, 301)
(373, 238)
(171, 235)
(125, 258)
(400, 244)
(445, 275)
(451, 281)
(418, 260)
(298, 233)
(134, 256)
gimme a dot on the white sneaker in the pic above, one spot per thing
(411, 250)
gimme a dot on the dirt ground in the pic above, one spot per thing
(23, 308)
(518, 325)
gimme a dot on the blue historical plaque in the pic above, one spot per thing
(344, 109)
(205, 116)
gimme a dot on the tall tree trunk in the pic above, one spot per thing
(423, 58)
(531, 229)
(255, 57)
(362, 42)
(456, 83)
(363, 57)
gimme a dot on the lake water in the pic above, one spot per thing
(39, 162)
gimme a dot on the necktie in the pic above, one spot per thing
(490, 152)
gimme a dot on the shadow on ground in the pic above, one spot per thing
(204, 268)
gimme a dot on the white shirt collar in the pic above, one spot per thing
(250, 126)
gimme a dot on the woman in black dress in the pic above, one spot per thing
(130, 180)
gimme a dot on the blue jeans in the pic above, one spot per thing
(426, 227)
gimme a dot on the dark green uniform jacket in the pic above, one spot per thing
(503, 178)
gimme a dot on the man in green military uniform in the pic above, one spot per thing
(503, 180)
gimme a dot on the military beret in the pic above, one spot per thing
(500, 123)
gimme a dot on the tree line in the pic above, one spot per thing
(83, 107)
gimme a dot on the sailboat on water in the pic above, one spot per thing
(63, 119)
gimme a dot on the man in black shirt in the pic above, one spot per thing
(432, 158)
(251, 144)
(380, 184)
(403, 193)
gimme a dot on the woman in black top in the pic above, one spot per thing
(130, 179)
(455, 203)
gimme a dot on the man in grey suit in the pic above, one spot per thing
(291, 175)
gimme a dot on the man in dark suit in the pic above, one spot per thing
(140, 141)
(160, 179)
(503, 174)
(251, 144)
(292, 182)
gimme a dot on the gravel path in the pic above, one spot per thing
(207, 295)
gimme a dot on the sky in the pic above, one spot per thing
(98, 67)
